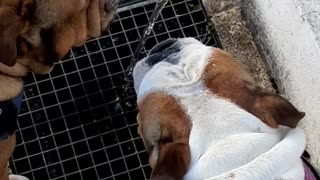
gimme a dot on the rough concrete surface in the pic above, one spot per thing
(310, 12)
(236, 38)
(287, 33)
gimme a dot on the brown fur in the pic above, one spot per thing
(45, 30)
(94, 18)
(36, 33)
(226, 78)
(165, 130)
(14, 16)
(10, 87)
(13, 22)
(59, 25)
(107, 9)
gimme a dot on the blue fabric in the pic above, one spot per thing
(4, 136)
(8, 116)
(18, 100)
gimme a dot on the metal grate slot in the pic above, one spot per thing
(79, 121)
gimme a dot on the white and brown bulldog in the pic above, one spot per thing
(203, 117)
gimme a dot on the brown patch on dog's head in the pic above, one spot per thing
(165, 130)
(226, 78)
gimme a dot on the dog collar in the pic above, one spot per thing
(311, 173)
(8, 116)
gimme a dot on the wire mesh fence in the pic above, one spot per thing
(79, 121)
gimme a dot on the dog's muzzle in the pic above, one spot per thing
(164, 51)
(173, 61)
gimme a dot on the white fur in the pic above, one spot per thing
(226, 142)
(165, 75)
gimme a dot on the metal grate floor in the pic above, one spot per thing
(79, 121)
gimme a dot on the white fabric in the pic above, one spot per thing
(17, 177)
(226, 142)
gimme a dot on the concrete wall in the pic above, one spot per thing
(236, 38)
(287, 33)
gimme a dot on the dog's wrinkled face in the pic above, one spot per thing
(34, 34)
(41, 32)
(54, 26)
(180, 69)
(14, 15)
(37, 33)
(58, 25)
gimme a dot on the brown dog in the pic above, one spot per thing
(36, 33)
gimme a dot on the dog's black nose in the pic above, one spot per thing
(162, 46)
(161, 52)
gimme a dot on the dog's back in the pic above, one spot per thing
(203, 117)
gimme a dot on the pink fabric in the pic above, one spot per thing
(308, 173)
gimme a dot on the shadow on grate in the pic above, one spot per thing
(79, 121)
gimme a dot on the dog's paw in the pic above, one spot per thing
(108, 10)
(110, 5)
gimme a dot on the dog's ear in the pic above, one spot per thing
(165, 130)
(10, 27)
(274, 110)
(168, 159)
(173, 162)
(225, 77)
